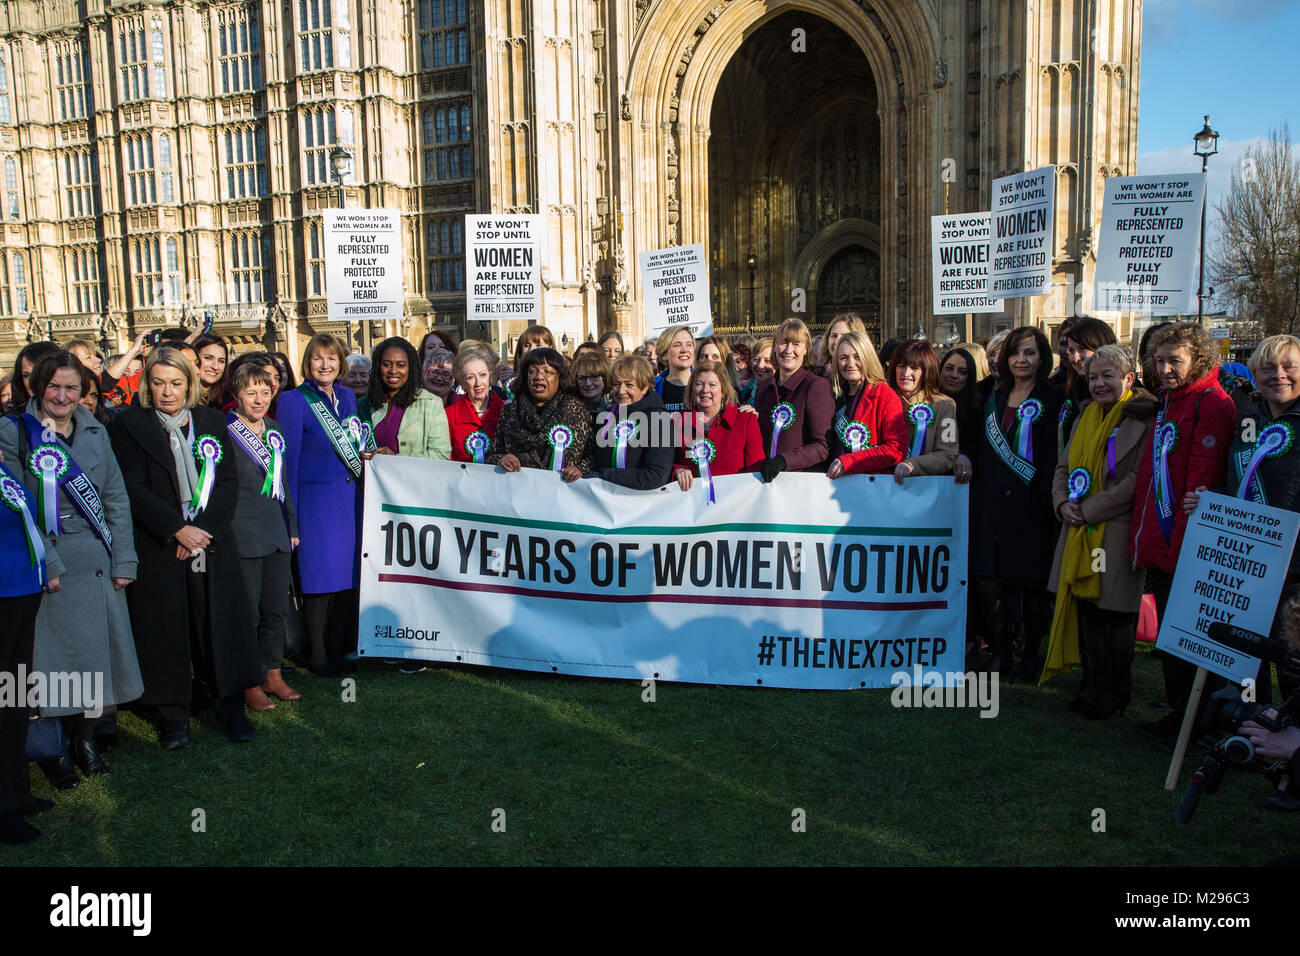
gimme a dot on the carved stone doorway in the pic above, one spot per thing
(851, 283)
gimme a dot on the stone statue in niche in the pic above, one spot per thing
(828, 178)
(625, 107)
(852, 191)
(805, 213)
(620, 276)
(940, 73)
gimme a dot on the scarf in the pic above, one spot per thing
(1078, 580)
(187, 476)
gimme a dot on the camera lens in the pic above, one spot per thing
(1238, 749)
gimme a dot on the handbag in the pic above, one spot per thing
(46, 739)
(1148, 621)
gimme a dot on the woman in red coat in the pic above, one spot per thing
(1194, 429)
(477, 411)
(735, 444)
(869, 434)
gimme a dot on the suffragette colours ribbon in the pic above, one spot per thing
(782, 418)
(49, 463)
(920, 415)
(702, 452)
(560, 438)
(207, 451)
(1273, 441)
(623, 433)
(476, 445)
(16, 500)
(1026, 415)
(856, 436)
(1166, 437)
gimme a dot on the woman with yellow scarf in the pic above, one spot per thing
(1098, 591)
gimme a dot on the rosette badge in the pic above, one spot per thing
(623, 433)
(1273, 442)
(701, 452)
(476, 445)
(920, 415)
(1029, 412)
(49, 463)
(207, 450)
(11, 492)
(273, 487)
(1079, 483)
(856, 436)
(560, 438)
(782, 418)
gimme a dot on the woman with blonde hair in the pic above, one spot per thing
(839, 325)
(795, 405)
(675, 351)
(869, 433)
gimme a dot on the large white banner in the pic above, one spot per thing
(503, 267)
(1148, 249)
(1231, 569)
(675, 288)
(801, 583)
(1024, 213)
(960, 253)
(363, 264)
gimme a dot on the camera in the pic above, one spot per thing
(1227, 711)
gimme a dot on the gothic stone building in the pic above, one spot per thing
(164, 159)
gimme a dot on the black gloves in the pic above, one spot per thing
(769, 468)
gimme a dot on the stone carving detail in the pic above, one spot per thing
(619, 292)
(940, 73)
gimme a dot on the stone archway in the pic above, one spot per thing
(678, 55)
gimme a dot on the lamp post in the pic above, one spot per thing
(752, 261)
(341, 160)
(1206, 144)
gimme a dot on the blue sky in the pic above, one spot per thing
(1234, 60)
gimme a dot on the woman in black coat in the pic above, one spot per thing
(545, 426)
(189, 611)
(1013, 525)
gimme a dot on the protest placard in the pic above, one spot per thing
(1024, 211)
(1147, 251)
(961, 259)
(675, 288)
(503, 267)
(363, 264)
(1231, 568)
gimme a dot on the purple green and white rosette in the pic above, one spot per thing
(476, 445)
(856, 436)
(49, 463)
(920, 415)
(782, 418)
(1275, 440)
(1166, 438)
(623, 434)
(1028, 413)
(273, 486)
(560, 438)
(1079, 484)
(14, 498)
(207, 452)
(701, 452)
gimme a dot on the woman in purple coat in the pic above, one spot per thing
(324, 445)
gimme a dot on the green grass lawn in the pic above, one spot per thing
(587, 773)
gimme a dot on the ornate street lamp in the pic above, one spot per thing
(1206, 144)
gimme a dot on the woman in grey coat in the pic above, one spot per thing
(83, 627)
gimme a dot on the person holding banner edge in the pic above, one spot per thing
(724, 439)
(264, 529)
(545, 426)
(1189, 448)
(931, 416)
(189, 612)
(325, 445)
(82, 510)
(795, 406)
(1012, 521)
(869, 434)
(472, 417)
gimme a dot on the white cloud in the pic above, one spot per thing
(1179, 159)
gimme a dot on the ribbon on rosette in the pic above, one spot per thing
(1275, 440)
(856, 436)
(702, 452)
(1166, 438)
(560, 438)
(782, 418)
(48, 463)
(476, 445)
(11, 492)
(1026, 415)
(1079, 483)
(207, 452)
(920, 415)
(273, 486)
(623, 434)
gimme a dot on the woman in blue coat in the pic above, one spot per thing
(324, 445)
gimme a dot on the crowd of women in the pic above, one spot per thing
(172, 528)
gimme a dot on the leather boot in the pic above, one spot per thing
(276, 687)
(87, 758)
(257, 700)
